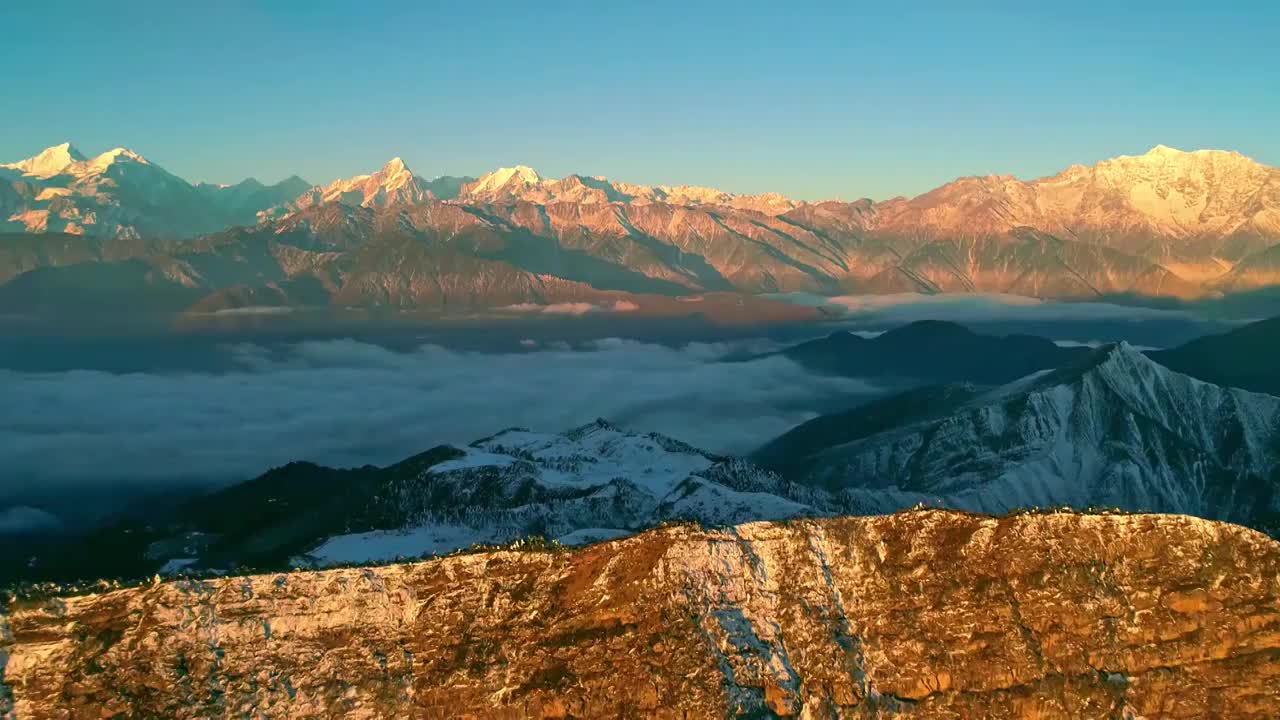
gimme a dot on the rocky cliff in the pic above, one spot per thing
(920, 614)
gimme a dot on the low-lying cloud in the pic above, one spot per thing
(349, 403)
(1097, 344)
(571, 308)
(975, 307)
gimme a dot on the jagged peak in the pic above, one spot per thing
(394, 166)
(593, 426)
(1103, 354)
(50, 161)
(1116, 364)
(119, 154)
(67, 150)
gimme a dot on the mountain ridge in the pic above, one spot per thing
(923, 614)
(1243, 357)
(929, 351)
(1166, 224)
(1112, 429)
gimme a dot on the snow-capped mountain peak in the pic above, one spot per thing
(507, 182)
(48, 162)
(1164, 151)
(593, 481)
(395, 165)
(65, 159)
(520, 173)
(112, 157)
(394, 175)
(392, 184)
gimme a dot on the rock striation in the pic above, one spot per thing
(920, 614)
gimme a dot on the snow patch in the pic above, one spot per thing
(389, 545)
(473, 459)
(176, 565)
(587, 536)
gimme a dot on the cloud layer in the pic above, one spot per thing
(975, 307)
(348, 403)
(570, 308)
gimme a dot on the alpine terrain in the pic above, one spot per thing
(1111, 429)
(590, 483)
(918, 615)
(1168, 224)
(1114, 429)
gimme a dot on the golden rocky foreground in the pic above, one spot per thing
(920, 614)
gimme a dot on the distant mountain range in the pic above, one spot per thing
(1164, 224)
(1110, 428)
(1245, 357)
(936, 351)
(120, 194)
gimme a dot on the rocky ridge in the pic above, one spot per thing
(921, 614)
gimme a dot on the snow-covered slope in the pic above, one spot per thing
(1115, 430)
(592, 481)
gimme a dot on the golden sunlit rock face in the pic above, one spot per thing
(921, 614)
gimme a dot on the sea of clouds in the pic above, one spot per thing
(348, 403)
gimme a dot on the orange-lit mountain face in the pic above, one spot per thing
(925, 614)
(1196, 214)
(1164, 224)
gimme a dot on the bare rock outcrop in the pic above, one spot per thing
(919, 614)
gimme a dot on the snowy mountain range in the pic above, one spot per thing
(1163, 224)
(122, 194)
(1115, 429)
(590, 483)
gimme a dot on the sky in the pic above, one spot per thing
(814, 100)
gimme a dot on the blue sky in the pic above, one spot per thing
(814, 100)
